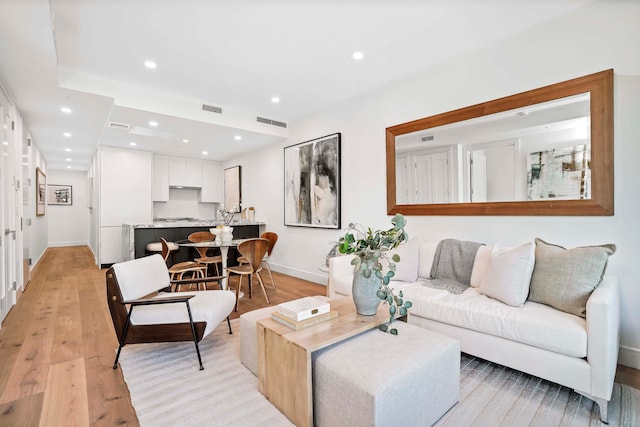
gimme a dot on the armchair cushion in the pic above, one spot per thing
(142, 276)
(206, 306)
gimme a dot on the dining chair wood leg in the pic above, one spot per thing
(273, 283)
(264, 290)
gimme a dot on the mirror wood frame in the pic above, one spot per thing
(600, 87)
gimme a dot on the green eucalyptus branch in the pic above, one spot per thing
(369, 247)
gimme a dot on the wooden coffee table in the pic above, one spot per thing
(284, 356)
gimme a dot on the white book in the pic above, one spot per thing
(303, 308)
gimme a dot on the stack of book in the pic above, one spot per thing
(304, 312)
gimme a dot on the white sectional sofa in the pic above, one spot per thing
(576, 352)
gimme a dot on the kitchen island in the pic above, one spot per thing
(137, 236)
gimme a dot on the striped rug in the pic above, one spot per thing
(167, 389)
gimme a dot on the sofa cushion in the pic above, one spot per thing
(564, 278)
(534, 324)
(508, 274)
(407, 268)
(427, 252)
(480, 265)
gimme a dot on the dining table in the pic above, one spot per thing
(224, 251)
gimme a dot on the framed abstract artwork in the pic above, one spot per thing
(41, 191)
(312, 183)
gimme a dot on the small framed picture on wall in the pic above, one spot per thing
(59, 195)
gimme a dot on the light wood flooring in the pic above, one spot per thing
(57, 345)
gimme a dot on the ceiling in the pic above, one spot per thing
(88, 55)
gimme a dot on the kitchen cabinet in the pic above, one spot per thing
(185, 173)
(111, 239)
(210, 191)
(160, 179)
(125, 193)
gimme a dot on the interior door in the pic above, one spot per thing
(8, 212)
(478, 181)
(432, 178)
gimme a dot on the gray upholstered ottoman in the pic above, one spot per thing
(249, 336)
(377, 379)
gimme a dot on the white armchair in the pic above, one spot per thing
(157, 316)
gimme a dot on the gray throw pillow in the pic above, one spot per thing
(564, 278)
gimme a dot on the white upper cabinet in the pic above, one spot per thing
(177, 172)
(160, 179)
(125, 186)
(185, 173)
(210, 192)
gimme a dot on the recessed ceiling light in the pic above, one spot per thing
(150, 64)
(68, 150)
(152, 123)
(67, 135)
(204, 153)
(185, 140)
(5, 142)
(66, 110)
(275, 99)
(133, 144)
(68, 160)
(237, 137)
(358, 55)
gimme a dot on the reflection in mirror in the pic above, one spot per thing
(532, 153)
(548, 151)
(232, 189)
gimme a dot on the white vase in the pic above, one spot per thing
(227, 234)
(216, 232)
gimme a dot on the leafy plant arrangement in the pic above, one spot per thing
(370, 247)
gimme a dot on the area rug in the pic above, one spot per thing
(167, 389)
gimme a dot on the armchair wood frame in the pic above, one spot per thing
(128, 333)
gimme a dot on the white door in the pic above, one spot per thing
(432, 178)
(9, 218)
(478, 174)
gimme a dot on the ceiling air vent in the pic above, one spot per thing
(119, 126)
(427, 138)
(271, 122)
(212, 108)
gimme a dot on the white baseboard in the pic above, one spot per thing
(319, 277)
(629, 356)
(64, 244)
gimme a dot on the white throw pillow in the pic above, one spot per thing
(480, 265)
(427, 252)
(508, 274)
(407, 268)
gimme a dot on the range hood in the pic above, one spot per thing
(185, 187)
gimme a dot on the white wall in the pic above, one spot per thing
(69, 225)
(39, 228)
(599, 36)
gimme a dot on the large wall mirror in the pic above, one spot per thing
(548, 151)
